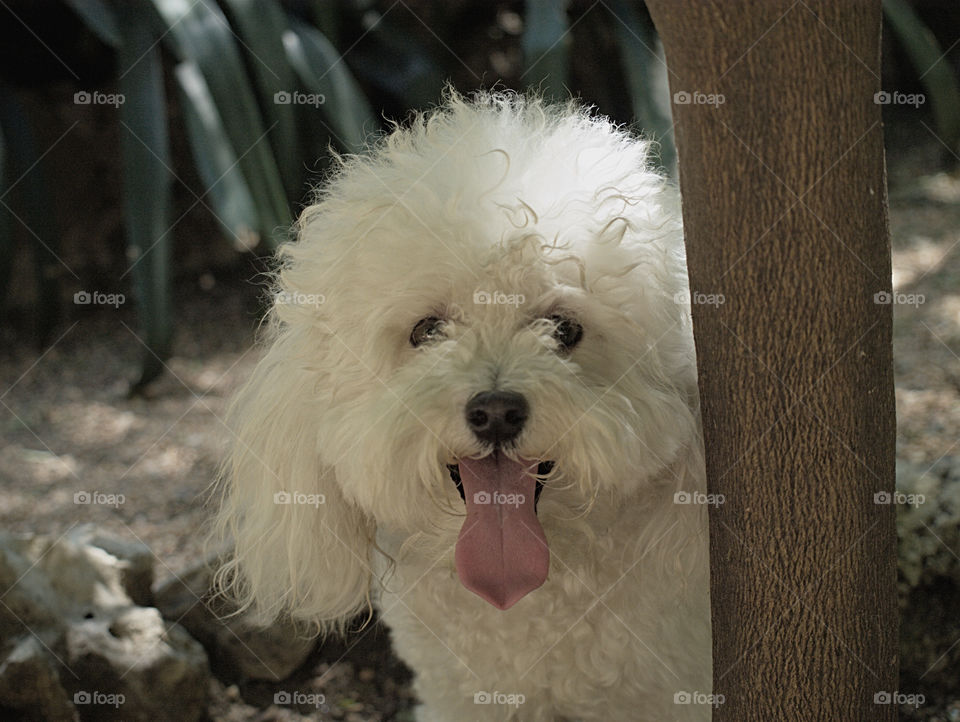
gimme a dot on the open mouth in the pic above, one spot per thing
(543, 468)
(501, 553)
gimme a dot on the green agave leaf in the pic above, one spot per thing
(328, 18)
(546, 47)
(199, 31)
(6, 232)
(145, 159)
(261, 26)
(26, 178)
(934, 68)
(100, 18)
(217, 163)
(398, 65)
(646, 75)
(322, 71)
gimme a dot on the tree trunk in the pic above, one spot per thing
(784, 204)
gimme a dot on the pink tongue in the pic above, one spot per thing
(502, 553)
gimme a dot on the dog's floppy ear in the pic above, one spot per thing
(300, 548)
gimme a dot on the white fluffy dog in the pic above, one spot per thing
(478, 411)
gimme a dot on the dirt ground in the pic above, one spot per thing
(68, 426)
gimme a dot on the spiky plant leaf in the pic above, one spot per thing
(322, 71)
(100, 18)
(261, 26)
(26, 176)
(935, 70)
(198, 31)
(646, 75)
(216, 161)
(546, 48)
(145, 160)
(6, 232)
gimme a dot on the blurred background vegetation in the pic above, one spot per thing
(151, 146)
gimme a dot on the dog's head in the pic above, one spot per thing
(488, 315)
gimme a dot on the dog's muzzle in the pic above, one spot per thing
(497, 417)
(501, 552)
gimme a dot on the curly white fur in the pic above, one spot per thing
(559, 214)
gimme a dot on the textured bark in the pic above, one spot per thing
(784, 205)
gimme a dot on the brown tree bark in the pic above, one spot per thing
(784, 206)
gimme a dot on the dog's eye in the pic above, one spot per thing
(427, 329)
(568, 332)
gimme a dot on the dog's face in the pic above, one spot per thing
(499, 310)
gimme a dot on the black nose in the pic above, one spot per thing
(497, 417)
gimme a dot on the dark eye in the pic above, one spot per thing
(567, 333)
(427, 329)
